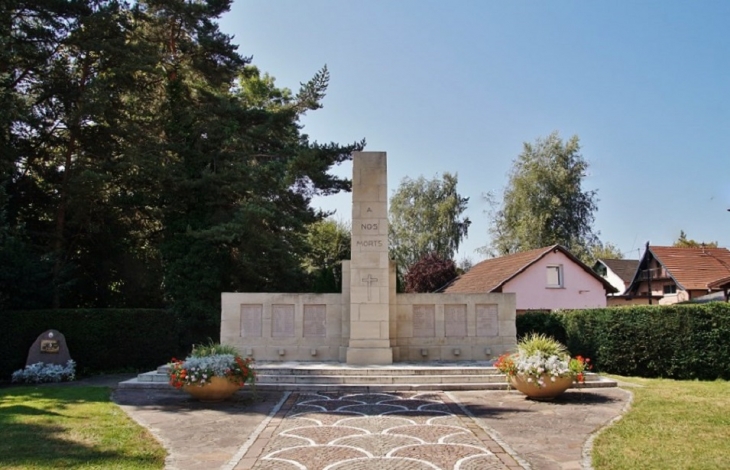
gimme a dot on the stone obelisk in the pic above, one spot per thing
(369, 266)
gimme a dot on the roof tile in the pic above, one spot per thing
(694, 268)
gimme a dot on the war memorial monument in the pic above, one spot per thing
(368, 323)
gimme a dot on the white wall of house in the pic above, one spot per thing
(615, 281)
(578, 288)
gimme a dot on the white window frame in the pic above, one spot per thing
(551, 269)
(669, 288)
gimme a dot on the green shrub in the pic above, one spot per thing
(213, 349)
(99, 340)
(539, 321)
(535, 343)
(672, 341)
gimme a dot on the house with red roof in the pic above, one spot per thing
(668, 274)
(549, 278)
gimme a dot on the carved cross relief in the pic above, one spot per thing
(370, 280)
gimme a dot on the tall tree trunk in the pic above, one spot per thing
(59, 238)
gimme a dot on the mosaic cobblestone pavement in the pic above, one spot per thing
(383, 431)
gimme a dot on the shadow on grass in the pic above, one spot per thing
(39, 446)
(59, 396)
(41, 429)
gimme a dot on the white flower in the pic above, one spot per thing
(539, 365)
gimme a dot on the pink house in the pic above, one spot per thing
(549, 278)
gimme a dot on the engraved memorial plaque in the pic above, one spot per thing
(424, 321)
(251, 320)
(50, 346)
(487, 321)
(282, 320)
(455, 320)
(315, 321)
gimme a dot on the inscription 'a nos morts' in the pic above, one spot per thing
(369, 243)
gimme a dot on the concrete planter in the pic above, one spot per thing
(219, 389)
(547, 392)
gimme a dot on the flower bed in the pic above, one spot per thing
(41, 372)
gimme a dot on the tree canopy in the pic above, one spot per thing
(426, 217)
(145, 162)
(684, 242)
(545, 202)
(328, 244)
(605, 251)
(429, 274)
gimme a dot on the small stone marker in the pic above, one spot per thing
(50, 348)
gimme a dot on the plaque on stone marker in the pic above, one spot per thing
(455, 320)
(315, 321)
(487, 320)
(50, 348)
(424, 321)
(251, 316)
(282, 320)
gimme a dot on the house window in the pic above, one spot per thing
(555, 276)
(670, 289)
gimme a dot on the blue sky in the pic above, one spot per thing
(459, 86)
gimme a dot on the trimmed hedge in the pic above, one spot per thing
(99, 340)
(541, 321)
(673, 341)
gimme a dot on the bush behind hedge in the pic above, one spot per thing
(673, 341)
(99, 340)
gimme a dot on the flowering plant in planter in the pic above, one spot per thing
(209, 361)
(540, 359)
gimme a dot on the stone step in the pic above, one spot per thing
(337, 369)
(377, 379)
(379, 372)
(595, 382)
(333, 377)
(330, 378)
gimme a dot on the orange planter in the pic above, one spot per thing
(218, 389)
(547, 392)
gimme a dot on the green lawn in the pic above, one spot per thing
(71, 427)
(671, 424)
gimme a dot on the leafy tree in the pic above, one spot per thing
(426, 217)
(605, 251)
(544, 203)
(237, 175)
(71, 67)
(684, 242)
(464, 265)
(328, 243)
(145, 161)
(429, 274)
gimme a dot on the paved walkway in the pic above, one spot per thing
(383, 431)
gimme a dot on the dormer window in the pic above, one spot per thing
(555, 276)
